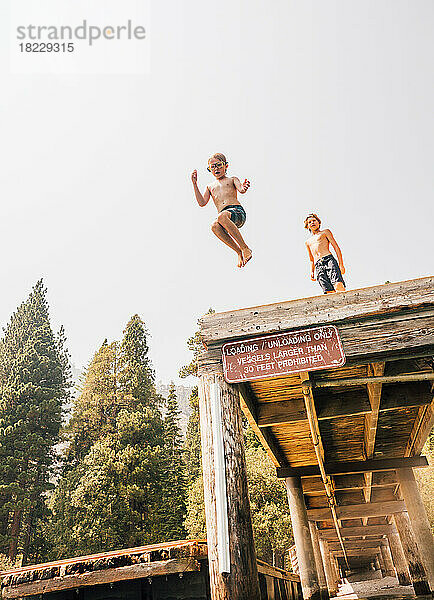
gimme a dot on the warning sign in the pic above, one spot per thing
(282, 353)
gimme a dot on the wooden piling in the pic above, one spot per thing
(412, 555)
(318, 561)
(241, 583)
(387, 560)
(332, 584)
(303, 541)
(418, 519)
(398, 558)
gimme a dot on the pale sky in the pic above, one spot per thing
(326, 106)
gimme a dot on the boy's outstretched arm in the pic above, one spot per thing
(201, 200)
(312, 263)
(242, 188)
(334, 243)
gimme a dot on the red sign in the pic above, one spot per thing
(282, 353)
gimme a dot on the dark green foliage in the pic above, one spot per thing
(174, 501)
(192, 447)
(34, 380)
(122, 482)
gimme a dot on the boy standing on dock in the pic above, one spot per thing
(232, 215)
(328, 270)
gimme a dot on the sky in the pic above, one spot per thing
(324, 105)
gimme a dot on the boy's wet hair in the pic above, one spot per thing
(309, 217)
(219, 156)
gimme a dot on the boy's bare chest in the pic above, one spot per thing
(223, 190)
(319, 241)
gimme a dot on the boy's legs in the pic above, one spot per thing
(223, 235)
(224, 219)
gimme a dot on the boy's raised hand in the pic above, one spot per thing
(246, 185)
(194, 176)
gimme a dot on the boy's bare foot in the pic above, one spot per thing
(247, 255)
(240, 260)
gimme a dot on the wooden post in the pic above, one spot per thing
(241, 583)
(303, 541)
(382, 565)
(377, 564)
(398, 557)
(326, 558)
(335, 569)
(387, 560)
(412, 555)
(418, 519)
(318, 561)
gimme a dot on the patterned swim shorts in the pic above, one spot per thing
(238, 214)
(328, 273)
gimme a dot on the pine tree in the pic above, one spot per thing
(34, 379)
(192, 445)
(112, 491)
(175, 475)
(95, 409)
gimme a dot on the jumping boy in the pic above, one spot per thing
(328, 271)
(232, 215)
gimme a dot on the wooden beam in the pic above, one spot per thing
(354, 304)
(360, 552)
(421, 430)
(356, 481)
(363, 466)
(249, 407)
(405, 378)
(330, 534)
(276, 572)
(67, 582)
(345, 403)
(371, 420)
(355, 545)
(356, 511)
(278, 413)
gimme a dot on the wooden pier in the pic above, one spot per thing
(174, 570)
(338, 389)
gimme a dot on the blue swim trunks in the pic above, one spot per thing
(238, 214)
(328, 273)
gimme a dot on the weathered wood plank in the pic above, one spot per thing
(318, 310)
(368, 340)
(277, 573)
(364, 466)
(368, 509)
(140, 571)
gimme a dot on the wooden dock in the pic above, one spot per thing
(176, 570)
(338, 389)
